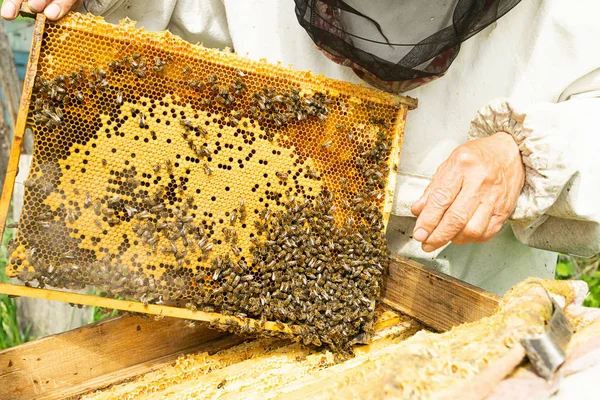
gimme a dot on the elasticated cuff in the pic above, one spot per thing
(532, 128)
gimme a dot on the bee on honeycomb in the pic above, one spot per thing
(173, 174)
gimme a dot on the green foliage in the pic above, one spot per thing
(99, 313)
(593, 281)
(10, 335)
(564, 269)
(586, 269)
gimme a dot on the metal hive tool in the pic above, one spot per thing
(172, 174)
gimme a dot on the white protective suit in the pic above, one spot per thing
(529, 57)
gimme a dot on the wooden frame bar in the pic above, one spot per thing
(435, 299)
(19, 133)
(132, 306)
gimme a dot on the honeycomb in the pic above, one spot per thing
(170, 173)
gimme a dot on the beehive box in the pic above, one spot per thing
(135, 358)
(169, 173)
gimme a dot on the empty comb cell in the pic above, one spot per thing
(169, 173)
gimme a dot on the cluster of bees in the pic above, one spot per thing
(319, 276)
(315, 263)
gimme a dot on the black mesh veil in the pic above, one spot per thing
(397, 40)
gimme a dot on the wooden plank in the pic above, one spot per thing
(19, 134)
(70, 363)
(433, 298)
(109, 352)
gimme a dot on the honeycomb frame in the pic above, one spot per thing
(313, 148)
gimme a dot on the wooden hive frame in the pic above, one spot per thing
(157, 309)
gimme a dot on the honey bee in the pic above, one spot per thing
(119, 97)
(142, 215)
(44, 224)
(216, 274)
(70, 216)
(158, 208)
(344, 182)
(207, 169)
(131, 211)
(202, 242)
(135, 182)
(189, 323)
(281, 175)
(312, 174)
(68, 255)
(87, 202)
(97, 208)
(214, 78)
(326, 145)
(203, 152)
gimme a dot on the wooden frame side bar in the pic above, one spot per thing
(134, 306)
(19, 133)
(435, 299)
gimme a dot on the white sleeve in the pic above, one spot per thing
(195, 21)
(559, 206)
(99, 7)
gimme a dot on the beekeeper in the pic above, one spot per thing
(500, 162)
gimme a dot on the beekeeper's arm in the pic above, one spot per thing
(558, 205)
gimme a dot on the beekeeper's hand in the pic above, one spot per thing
(54, 9)
(472, 193)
